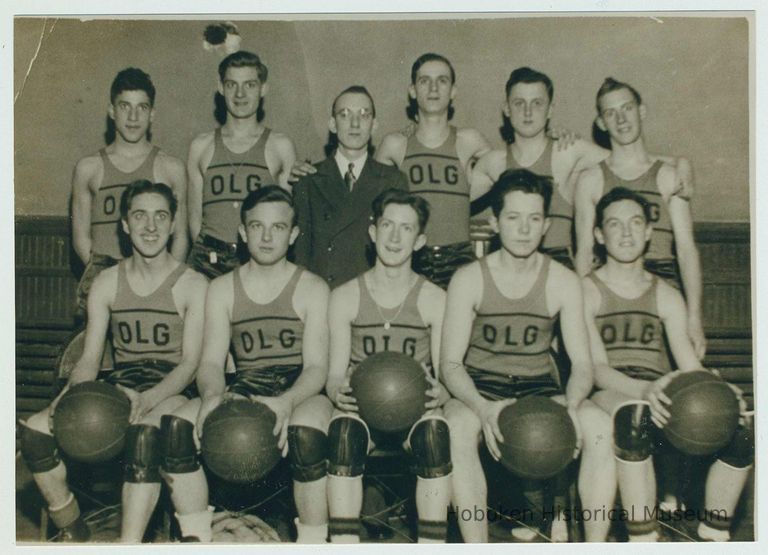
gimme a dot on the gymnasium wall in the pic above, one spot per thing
(692, 73)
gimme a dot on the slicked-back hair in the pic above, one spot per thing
(132, 79)
(520, 180)
(527, 75)
(616, 195)
(243, 58)
(609, 85)
(262, 195)
(143, 186)
(398, 196)
(354, 89)
(431, 57)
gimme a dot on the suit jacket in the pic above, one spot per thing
(333, 221)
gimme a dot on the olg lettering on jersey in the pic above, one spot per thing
(634, 331)
(510, 336)
(283, 339)
(421, 173)
(132, 333)
(228, 185)
(373, 344)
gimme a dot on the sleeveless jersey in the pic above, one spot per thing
(264, 335)
(146, 327)
(662, 238)
(436, 175)
(105, 205)
(512, 336)
(228, 179)
(560, 210)
(407, 331)
(631, 329)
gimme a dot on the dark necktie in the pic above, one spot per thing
(349, 177)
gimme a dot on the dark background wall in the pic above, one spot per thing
(692, 73)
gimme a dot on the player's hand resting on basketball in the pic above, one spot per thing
(489, 418)
(654, 394)
(437, 393)
(300, 169)
(282, 406)
(141, 403)
(208, 404)
(343, 398)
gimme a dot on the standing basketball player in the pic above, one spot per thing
(274, 316)
(153, 306)
(226, 164)
(629, 311)
(101, 178)
(499, 320)
(528, 105)
(621, 113)
(387, 308)
(438, 159)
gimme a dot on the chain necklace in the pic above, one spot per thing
(388, 322)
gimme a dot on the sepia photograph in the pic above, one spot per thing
(478, 277)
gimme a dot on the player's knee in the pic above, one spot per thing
(179, 453)
(307, 452)
(142, 454)
(740, 452)
(39, 450)
(430, 446)
(633, 432)
(595, 425)
(347, 446)
(464, 425)
(314, 412)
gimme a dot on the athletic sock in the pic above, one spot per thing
(344, 530)
(197, 525)
(309, 533)
(715, 527)
(643, 530)
(432, 531)
(67, 518)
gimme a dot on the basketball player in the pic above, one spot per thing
(628, 311)
(437, 159)
(499, 321)
(153, 305)
(274, 316)
(528, 105)
(226, 164)
(387, 308)
(334, 203)
(101, 178)
(621, 113)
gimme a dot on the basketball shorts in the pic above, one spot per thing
(497, 387)
(142, 375)
(668, 270)
(267, 382)
(95, 266)
(213, 257)
(641, 373)
(439, 263)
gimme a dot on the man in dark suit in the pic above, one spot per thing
(333, 205)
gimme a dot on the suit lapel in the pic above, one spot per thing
(360, 199)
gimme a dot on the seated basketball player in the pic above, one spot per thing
(387, 308)
(153, 306)
(500, 316)
(273, 315)
(628, 311)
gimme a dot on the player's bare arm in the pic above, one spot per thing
(431, 305)
(280, 154)
(200, 154)
(486, 171)
(87, 173)
(606, 377)
(171, 171)
(471, 146)
(391, 151)
(588, 189)
(342, 308)
(564, 294)
(671, 309)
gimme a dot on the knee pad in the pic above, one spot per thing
(308, 453)
(740, 452)
(430, 445)
(633, 432)
(347, 446)
(179, 453)
(38, 450)
(142, 454)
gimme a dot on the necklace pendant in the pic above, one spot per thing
(386, 325)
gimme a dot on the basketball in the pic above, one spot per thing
(238, 444)
(390, 389)
(539, 438)
(704, 413)
(90, 420)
